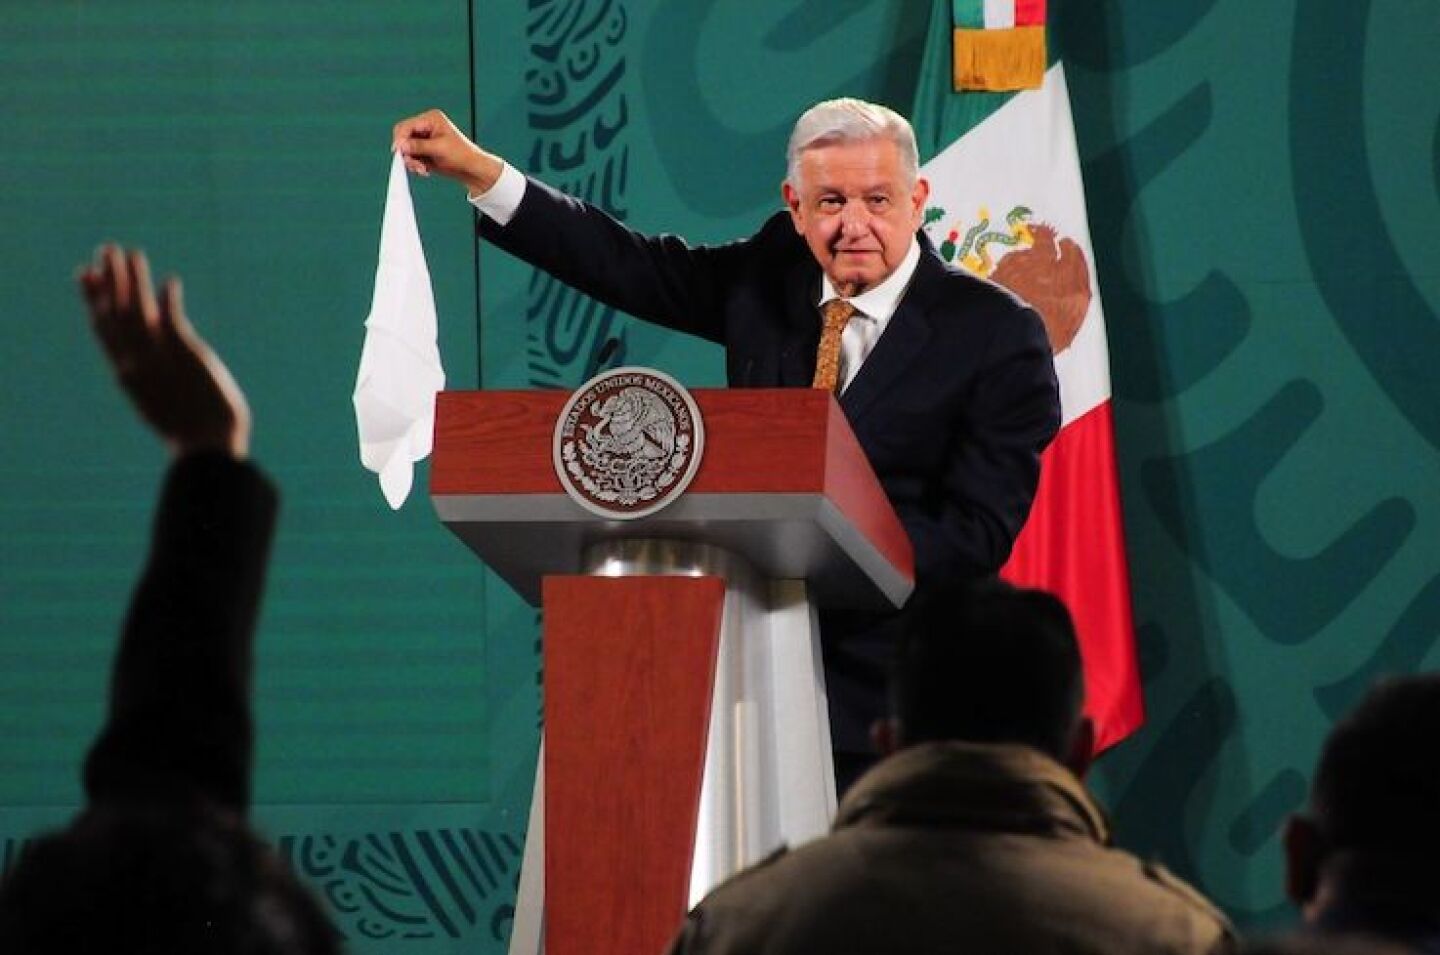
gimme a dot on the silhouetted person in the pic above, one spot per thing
(160, 860)
(1309, 943)
(1363, 857)
(975, 834)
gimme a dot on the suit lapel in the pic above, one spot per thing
(802, 325)
(902, 343)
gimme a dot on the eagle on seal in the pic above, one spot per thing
(634, 424)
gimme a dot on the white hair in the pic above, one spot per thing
(848, 120)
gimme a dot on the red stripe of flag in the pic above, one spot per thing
(1029, 13)
(1074, 546)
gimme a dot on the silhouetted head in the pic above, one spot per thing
(992, 664)
(1362, 856)
(1377, 785)
(158, 882)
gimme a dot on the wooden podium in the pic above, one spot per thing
(686, 729)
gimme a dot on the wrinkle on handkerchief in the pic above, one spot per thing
(400, 369)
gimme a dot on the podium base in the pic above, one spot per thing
(768, 776)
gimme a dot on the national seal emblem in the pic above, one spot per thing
(628, 443)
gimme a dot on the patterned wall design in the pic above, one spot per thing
(1264, 203)
(408, 886)
(413, 887)
(1277, 441)
(578, 99)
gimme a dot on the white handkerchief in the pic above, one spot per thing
(400, 369)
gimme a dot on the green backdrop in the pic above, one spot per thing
(1263, 192)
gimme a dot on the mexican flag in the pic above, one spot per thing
(1007, 203)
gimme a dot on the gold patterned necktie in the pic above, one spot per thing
(837, 314)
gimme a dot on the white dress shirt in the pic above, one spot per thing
(873, 310)
(500, 201)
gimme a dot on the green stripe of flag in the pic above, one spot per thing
(942, 115)
(968, 14)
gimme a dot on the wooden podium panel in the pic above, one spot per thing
(782, 481)
(629, 675)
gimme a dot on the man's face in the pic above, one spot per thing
(855, 210)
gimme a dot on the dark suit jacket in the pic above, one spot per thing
(179, 730)
(953, 407)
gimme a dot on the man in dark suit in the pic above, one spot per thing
(946, 379)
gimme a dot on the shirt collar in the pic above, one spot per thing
(881, 301)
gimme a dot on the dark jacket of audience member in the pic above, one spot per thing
(1362, 858)
(976, 834)
(1306, 942)
(160, 861)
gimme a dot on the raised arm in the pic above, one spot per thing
(179, 727)
(660, 278)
